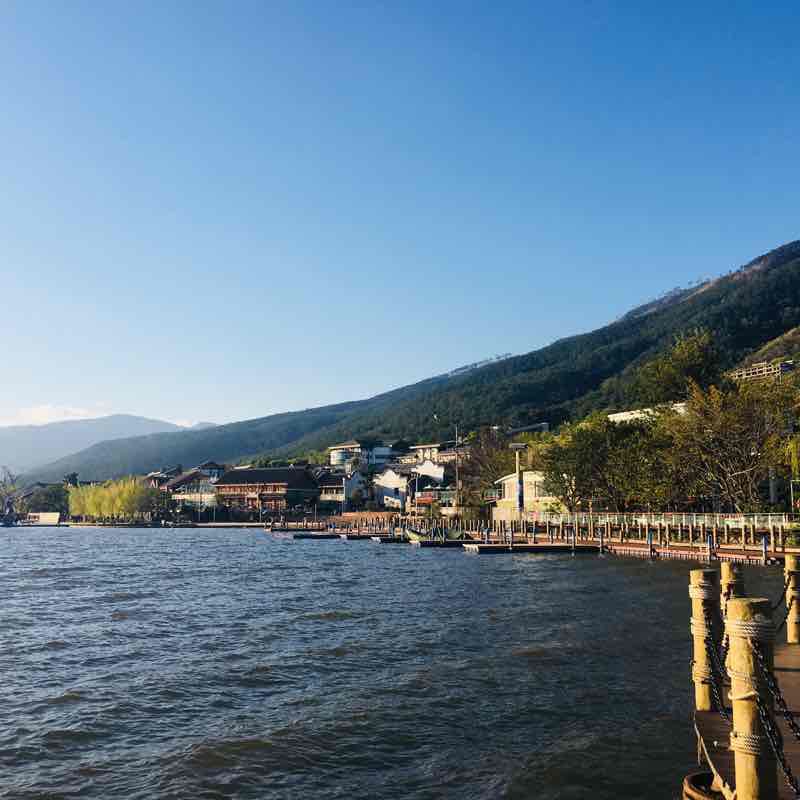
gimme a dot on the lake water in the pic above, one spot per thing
(230, 664)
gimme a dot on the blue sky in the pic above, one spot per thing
(215, 211)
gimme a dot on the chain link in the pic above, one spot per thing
(771, 683)
(776, 745)
(717, 678)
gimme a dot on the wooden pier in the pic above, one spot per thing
(746, 687)
(754, 539)
(713, 731)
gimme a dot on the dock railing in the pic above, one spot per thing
(749, 743)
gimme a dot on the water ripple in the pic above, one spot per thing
(228, 664)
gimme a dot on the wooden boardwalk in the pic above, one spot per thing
(714, 732)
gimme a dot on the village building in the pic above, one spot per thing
(639, 414)
(438, 452)
(268, 489)
(426, 496)
(396, 486)
(212, 469)
(366, 453)
(160, 477)
(337, 490)
(193, 489)
(534, 496)
(762, 370)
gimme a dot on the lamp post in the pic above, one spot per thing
(518, 448)
(458, 485)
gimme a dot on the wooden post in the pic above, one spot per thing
(731, 584)
(749, 620)
(704, 592)
(791, 572)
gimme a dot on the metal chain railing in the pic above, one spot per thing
(718, 673)
(773, 736)
(771, 683)
(771, 730)
(726, 640)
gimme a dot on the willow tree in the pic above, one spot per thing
(124, 499)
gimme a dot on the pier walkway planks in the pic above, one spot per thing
(714, 732)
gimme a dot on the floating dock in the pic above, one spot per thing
(455, 543)
(544, 547)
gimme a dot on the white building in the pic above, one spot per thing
(645, 413)
(368, 453)
(339, 488)
(391, 488)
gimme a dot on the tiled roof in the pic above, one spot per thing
(187, 477)
(331, 479)
(293, 478)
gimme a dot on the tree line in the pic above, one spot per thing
(125, 499)
(704, 443)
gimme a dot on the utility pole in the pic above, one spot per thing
(518, 448)
(458, 485)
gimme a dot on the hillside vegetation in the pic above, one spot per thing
(744, 310)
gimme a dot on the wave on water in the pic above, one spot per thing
(124, 597)
(332, 616)
(70, 696)
(52, 572)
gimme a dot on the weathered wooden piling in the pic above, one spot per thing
(704, 592)
(791, 571)
(749, 623)
(731, 584)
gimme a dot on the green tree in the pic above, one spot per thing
(8, 484)
(46, 499)
(598, 464)
(728, 441)
(489, 459)
(693, 358)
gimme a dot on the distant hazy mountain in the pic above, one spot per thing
(25, 447)
(745, 309)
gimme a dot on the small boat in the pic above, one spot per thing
(414, 536)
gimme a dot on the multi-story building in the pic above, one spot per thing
(269, 489)
(159, 478)
(761, 370)
(396, 486)
(338, 489)
(367, 453)
(193, 489)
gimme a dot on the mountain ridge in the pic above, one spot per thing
(745, 309)
(26, 447)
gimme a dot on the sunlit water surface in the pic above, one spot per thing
(230, 664)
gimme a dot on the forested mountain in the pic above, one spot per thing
(24, 447)
(743, 310)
